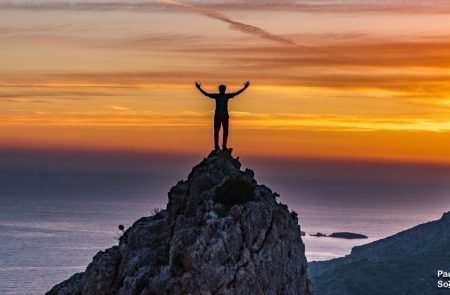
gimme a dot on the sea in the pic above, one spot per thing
(54, 219)
(45, 242)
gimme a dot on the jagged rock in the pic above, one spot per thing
(200, 246)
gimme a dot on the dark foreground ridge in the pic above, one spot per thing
(221, 233)
(405, 263)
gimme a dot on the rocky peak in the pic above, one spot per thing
(222, 233)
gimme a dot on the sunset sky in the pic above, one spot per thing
(330, 79)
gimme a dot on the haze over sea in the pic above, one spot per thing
(60, 208)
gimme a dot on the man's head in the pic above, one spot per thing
(222, 89)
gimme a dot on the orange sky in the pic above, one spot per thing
(334, 79)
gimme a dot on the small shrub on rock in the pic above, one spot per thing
(294, 214)
(233, 192)
(157, 213)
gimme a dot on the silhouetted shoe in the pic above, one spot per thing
(224, 147)
(217, 148)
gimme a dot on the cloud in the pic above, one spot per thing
(87, 6)
(119, 108)
(75, 5)
(21, 93)
(341, 51)
(324, 6)
(263, 121)
(26, 101)
(339, 6)
(354, 67)
(407, 85)
(235, 25)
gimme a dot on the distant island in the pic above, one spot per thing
(340, 235)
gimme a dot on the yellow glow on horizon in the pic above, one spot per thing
(387, 145)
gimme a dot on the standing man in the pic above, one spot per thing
(221, 115)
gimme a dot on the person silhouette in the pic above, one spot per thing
(221, 117)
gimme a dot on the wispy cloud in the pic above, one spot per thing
(21, 92)
(339, 6)
(340, 51)
(123, 116)
(211, 13)
(324, 6)
(235, 25)
(25, 101)
(119, 108)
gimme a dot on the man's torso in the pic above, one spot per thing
(222, 103)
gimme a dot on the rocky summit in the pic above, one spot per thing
(222, 233)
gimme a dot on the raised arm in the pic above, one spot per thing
(199, 87)
(246, 84)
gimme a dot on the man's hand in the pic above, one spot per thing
(198, 85)
(246, 84)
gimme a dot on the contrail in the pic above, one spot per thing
(235, 25)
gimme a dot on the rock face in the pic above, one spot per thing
(204, 242)
(405, 263)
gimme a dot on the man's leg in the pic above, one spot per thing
(216, 132)
(225, 123)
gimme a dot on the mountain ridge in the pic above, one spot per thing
(404, 263)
